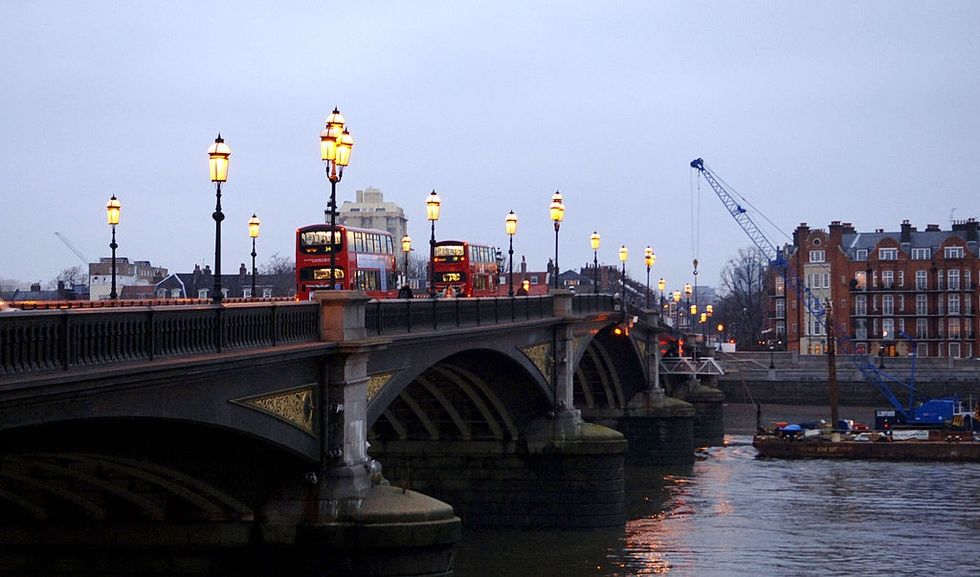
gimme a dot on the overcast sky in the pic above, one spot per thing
(865, 112)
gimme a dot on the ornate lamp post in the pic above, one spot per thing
(218, 155)
(624, 253)
(557, 210)
(432, 204)
(253, 231)
(677, 301)
(112, 215)
(687, 296)
(595, 261)
(648, 258)
(406, 248)
(510, 226)
(335, 148)
(661, 285)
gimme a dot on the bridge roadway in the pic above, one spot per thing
(261, 428)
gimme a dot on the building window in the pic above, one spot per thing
(921, 280)
(967, 281)
(888, 328)
(921, 304)
(939, 279)
(162, 293)
(922, 350)
(175, 293)
(887, 254)
(953, 276)
(202, 293)
(954, 350)
(954, 304)
(954, 329)
(247, 293)
(953, 252)
(968, 304)
(780, 286)
(534, 279)
(922, 328)
(888, 304)
(826, 280)
(817, 256)
(860, 305)
(921, 253)
(901, 278)
(861, 280)
(861, 329)
(267, 293)
(887, 279)
(780, 308)
(861, 254)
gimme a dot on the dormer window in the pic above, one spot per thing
(953, 252)
(887, 254)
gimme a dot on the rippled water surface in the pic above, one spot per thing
(733, 514)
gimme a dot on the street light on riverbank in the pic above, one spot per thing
(594, 239)
(557, 210)
(432, 205)
(253, 232)
(510, 226)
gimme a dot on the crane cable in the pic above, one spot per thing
(695, 215)
(746, 202)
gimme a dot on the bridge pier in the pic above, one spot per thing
(708, 402)
(562, 473)
(349, 512)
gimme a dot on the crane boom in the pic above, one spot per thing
(77, 252)
(774, 255)
(737, 212)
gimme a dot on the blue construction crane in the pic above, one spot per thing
(775, 256)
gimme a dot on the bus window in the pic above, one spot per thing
(367, 280)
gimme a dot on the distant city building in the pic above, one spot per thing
(200, 285)
(136, 273)
(62, 293)
(889, 291)
(371, 211)
(534, 282)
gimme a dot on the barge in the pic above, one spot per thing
(953, 448)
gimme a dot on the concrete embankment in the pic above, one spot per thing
(802, 379)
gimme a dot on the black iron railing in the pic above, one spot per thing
(35, 341)
(391, 317)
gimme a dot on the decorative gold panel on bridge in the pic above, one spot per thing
(540, 355)
(377, 381)
(294, 406)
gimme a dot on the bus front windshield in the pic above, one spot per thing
(318, 242)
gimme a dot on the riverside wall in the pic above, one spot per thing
(802, 379)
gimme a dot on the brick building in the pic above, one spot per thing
(889, 291)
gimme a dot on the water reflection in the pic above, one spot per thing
(733, 514)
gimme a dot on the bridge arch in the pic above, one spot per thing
(609, 371)
(477, 394)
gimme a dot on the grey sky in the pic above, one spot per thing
(816, 111)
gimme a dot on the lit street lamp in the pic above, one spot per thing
(406, 248)
(335, 148)
(112, 209)
(661, 285)
(510, 226)
(432, 204)
(557, 210)
(648, 258)
(624, 253)
(677, 302)
(595, 261)
(253, 231)
(218, 154)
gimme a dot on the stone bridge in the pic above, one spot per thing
(264, 426)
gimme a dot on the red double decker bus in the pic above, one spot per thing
(364, 258)
(468, 270)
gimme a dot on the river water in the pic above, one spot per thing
(731, 513)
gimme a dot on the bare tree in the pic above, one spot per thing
(71, 276)
(743, 303)
(277, 265)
